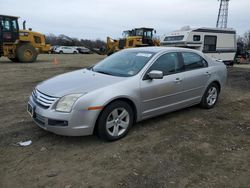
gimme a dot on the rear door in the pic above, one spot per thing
(69, 50)
(162, 95)
(66, 50)
(195, 77)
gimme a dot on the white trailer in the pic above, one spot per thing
(216, 43)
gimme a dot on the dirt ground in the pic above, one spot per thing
(188, 148)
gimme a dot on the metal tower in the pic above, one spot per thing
(223, 14)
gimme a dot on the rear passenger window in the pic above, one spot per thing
(193, 61)
(167, 63)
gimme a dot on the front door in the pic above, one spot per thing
(162, 95)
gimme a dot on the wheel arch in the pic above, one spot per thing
(20, 43)
(24, 42)
(217, 83)
(124, 99)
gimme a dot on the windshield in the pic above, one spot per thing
(124, 63)
(139, 32)
(126, 34)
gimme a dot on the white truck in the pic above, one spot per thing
(215, 42)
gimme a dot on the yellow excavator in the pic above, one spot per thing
(20, 45)
(138, 37)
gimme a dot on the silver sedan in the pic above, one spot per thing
(124, 88)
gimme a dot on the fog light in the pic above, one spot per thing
(54, 122)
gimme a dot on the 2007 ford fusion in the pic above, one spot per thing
(124, 88)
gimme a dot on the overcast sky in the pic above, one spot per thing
(97, 19)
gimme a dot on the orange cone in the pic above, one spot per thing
(55, 62)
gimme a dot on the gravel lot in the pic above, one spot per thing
(188, 148)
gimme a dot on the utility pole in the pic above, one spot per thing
(223, 14)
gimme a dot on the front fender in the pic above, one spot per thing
(102, 97)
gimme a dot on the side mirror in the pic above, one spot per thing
(155, 74)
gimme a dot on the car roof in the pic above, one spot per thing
(158, 49)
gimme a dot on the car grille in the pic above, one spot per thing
(42, 99)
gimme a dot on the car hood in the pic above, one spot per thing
(81, 81)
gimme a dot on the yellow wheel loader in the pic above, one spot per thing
(138, 37)
(20, 45)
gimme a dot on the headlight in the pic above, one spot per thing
(65, 103)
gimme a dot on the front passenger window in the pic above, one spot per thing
(167, 63)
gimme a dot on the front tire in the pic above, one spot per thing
(115, 121)
(109, 54)
(26, 53)
(210, 96)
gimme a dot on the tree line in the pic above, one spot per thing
(63, 40)
(244, 40)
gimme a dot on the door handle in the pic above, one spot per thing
(208, 73)
(178, 80)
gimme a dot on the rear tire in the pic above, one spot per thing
(210, 96)
(26, 53)
(108, 54)
(61, 52)
(14, 59)
(115, 121)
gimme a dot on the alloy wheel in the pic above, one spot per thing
(212, 96)
(117, 122)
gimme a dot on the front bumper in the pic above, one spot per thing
(75, 123)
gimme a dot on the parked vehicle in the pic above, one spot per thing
(215, 42)
(66, 50)
(126, 87)
(83, 50)
(242, 55)
(52, 49)
(137, 37)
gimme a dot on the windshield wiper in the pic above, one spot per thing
(90, 68)
(103, 72)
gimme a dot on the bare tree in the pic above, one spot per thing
(246, 39)
(64, 40)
